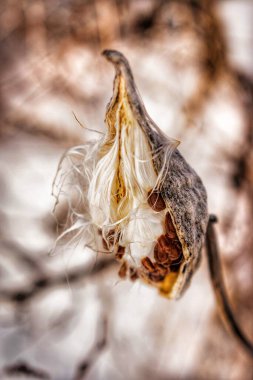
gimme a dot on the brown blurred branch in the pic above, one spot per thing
(44, 283)
(22, 256)
(219, 287)
(86, 364)
(25, 369)
(37, 128)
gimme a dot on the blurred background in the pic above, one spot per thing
(67, 315)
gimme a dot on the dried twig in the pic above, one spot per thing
(87, 363)
(219, 287)
(43, 283)
(25, 369)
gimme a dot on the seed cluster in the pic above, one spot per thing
(167, 253)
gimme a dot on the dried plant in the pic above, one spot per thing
(141, 201)
(48, 50)
(139, 197)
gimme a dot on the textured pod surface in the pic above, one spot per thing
(186, 200)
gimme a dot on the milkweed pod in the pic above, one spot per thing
(135, 195)
(157, 202)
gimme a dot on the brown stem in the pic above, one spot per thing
(215, 270)
(43, 283)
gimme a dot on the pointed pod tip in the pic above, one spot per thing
(115, 57)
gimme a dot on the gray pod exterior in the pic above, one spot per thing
(186, 199)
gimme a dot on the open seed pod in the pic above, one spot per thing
(148, 204)
(130, 193)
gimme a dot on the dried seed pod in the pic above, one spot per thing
(140, 193)
(177, 195)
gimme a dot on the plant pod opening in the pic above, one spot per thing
(145, 204)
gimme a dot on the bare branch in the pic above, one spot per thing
(44, 283)
(24, 369)
(86, 364)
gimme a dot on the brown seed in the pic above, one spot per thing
(175, 265)
(147, 263)
(155, 277)
(156, 201)
(133, 274)
(175, 251)
(161, 269)
(123, 270)
(160, 254)
(169, 227)
(167, 251)
(163, 247)
(120, 253)
(166, 264)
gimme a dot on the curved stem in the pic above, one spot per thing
(215, 270)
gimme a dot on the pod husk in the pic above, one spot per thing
(181, 188)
